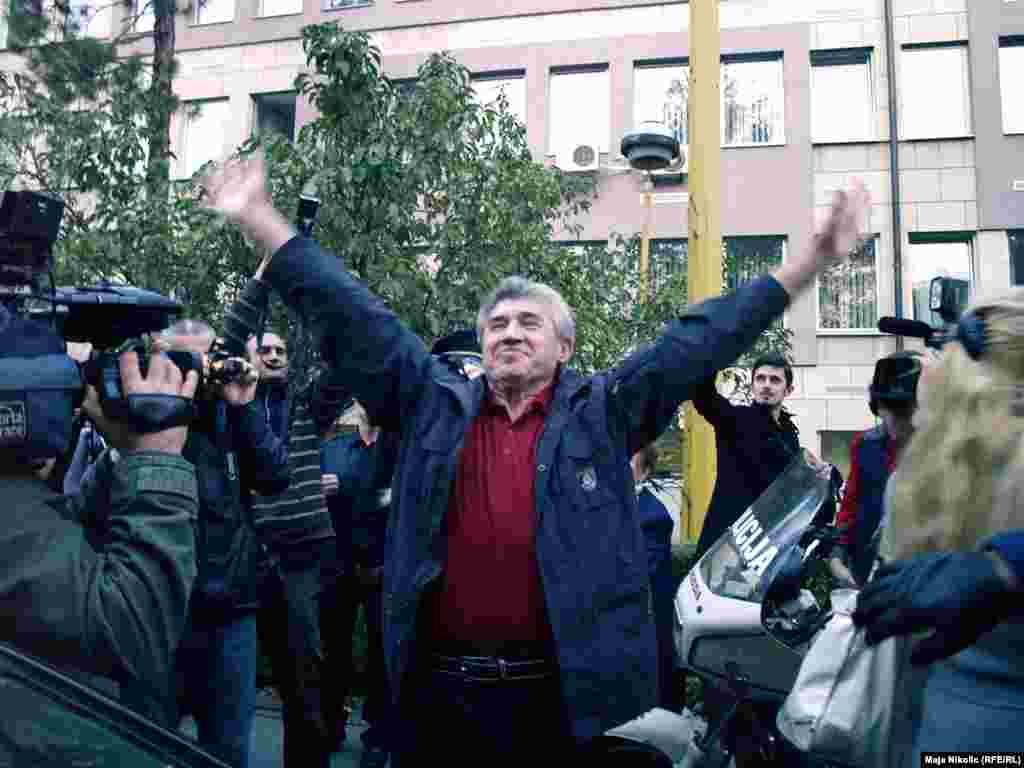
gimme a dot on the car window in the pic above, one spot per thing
(51, 720)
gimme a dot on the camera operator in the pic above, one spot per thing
(99, 584)
(235, 453)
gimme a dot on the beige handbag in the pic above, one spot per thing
(850, 702)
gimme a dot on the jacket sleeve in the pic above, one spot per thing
(262, 455)
(243, 317)
(384, 363)
(847, 515)
(113, 600)
(710, 404)
(648, 388)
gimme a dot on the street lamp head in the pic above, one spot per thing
(651, 147)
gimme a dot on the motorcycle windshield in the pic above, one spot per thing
(778, 517)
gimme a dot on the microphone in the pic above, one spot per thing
(899, 326)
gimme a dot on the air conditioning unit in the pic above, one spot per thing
(579, 158)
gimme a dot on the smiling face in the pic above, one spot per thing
(521, 345)
(769, 386)
(270, 358)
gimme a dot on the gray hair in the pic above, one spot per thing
(512, 288)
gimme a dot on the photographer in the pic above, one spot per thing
(235, 453)
(100, 585)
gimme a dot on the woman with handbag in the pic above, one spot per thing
(957, 527)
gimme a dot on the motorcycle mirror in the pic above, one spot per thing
(790, 614)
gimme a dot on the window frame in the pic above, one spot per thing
(821, 331)
(503, 75)
(150, 15)
(578, 69)
(757, 57)
(185, 121)
(784, 239)
(1015, 239)
(1006, 42)
(255, 99)
(327, 6)
(262, 14)
(904, 89)
(822, 59)
(198, 8)
(967, 237)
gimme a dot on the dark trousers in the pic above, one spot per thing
(447, 719)
(339, 606)
(289, 635)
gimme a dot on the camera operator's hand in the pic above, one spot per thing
(960, 596)
(240, 392)
(162, 378)
(841, 573)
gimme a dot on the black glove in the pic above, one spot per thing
(960, 596)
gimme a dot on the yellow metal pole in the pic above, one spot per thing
(704, 255)
(645, 239)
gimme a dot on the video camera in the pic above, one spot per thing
(946, 298)
(39, 384)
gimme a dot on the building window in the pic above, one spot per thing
(337, 5)
(142, 18)
(280, 7)
(934, 92)
(835, 449)
(202, 135)
(489, 86)
(579, 109)
(746, 258)
(274, 113)
(214, 11)
(842, 95)
(848, 292)
(752, 100)
(87, 18)
(938, 255)
(1016, 238)
(661, 93)
(1011, 64)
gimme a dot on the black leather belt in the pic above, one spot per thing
(494, 668)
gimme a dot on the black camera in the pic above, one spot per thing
(39, 384)
(223, 367)
(947, 297)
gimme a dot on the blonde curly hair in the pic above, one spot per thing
(962, 477)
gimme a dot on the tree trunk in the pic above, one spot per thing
(163, 104)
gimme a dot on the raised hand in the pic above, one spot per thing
(236, 187)
(845, 227)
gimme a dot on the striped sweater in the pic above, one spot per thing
(291, 520)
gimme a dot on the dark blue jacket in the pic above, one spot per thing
(593, 562)
(751, 448)
(234, 452)
(359, 510)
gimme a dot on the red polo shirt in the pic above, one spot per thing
(491, 592)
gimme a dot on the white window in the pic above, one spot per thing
(842, 95)
(88, 18)
(489, 87)
(752, 100)
(214, 11)
(280, 7)
(1011, 83)
(141, 17)
(337, 5)
(946, 255)
(848, 292)
(934, 95)
(202, 135)
(660, 93)
(579, 109)
(274, 113)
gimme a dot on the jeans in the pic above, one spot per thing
(289, 634)
(450, 720)
(339, 606)
(217, 674)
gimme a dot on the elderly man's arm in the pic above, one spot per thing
(649, 387)
(383, 363)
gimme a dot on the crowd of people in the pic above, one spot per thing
(490, 511)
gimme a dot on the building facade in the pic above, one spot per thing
(806, 108)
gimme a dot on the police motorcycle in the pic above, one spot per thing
(744, 620)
